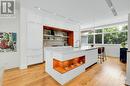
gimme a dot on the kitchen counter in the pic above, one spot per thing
(64, 54)
(69, 49)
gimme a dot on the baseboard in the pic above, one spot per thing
(36, 64)
(23, 67)
(112, 56)
(16, 68)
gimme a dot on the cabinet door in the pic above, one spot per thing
(91, 57)
(34, 43)
(34, 36)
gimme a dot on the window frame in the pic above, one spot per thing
(103, 33)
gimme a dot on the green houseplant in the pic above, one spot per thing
(123, 45)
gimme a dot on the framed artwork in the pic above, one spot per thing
(8, 41)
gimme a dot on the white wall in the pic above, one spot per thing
(11, 59)
(128, 55)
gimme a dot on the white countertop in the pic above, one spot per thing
(69, 49)
(65, 53)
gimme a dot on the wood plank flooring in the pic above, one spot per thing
(111, 73)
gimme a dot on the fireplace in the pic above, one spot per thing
(65, 66)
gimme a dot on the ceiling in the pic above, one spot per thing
(87, 13)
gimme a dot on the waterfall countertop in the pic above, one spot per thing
(68, 53)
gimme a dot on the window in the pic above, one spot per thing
(111, 29)
(111, 38)
(109, 35)
(115, 35)
(98, 38)
(90, 39)
(125, 28)
(122, 37)
(115, 38)
(98, 31)
(108, 38)
(116, 29)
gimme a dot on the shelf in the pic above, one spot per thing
(55, 36)
(65, 66)
(65, 36)
(53, 40)
(48, 35)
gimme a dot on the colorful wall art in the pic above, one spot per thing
(7, 42)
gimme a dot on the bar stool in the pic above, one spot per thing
(104, 53)
(101, 54)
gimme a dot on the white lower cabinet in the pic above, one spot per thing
(91, 57)
(34, 56)
(35, 59)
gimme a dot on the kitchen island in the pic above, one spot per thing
(65, 63)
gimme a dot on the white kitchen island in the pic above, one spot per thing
(65, 63)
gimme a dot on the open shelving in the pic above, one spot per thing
(65, 66)
(53, 34)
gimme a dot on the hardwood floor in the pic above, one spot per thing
(110, 73)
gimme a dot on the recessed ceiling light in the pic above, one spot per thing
(55, 14)
(39, 8)
(112, 7)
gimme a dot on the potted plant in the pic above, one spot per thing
(123, 52)
(123, 45)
